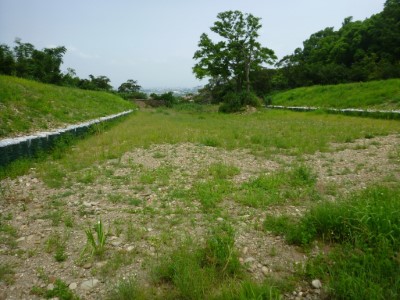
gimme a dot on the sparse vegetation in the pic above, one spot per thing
(196, 207)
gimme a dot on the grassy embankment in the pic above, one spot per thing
(378, 95)
(206, 265)
(28, 106)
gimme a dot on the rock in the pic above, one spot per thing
(249, 260)
(101, 264)
(265, 270)
(50, 286)
(220, 219)
(87, 204)
(87, 266)
(19, 218)
(130, 248)
(245, 250)
(73, 286)
(116, 243)
(316, 284)
(21, 239)
(89, 284)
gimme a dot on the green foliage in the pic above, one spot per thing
(236, 54)
(358, 51)
(96, 244)
(169, 99)
(234, 102)
(34, 64)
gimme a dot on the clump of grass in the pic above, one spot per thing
(250, 290)
(198, 273)
(211, 142)
(118, 259)
(96, 245)
(211, 192)
(160, 175)
(220, 251)
(220, 171)
(60, 291)
(297, 184)
(365, 232)
(127, 289)
(7, 273)
(57, 244)
(7, 232)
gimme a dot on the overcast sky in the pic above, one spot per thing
(153, 41)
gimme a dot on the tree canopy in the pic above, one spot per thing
(358, 51)
(236, 54)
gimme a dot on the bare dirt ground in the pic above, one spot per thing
(146, 218)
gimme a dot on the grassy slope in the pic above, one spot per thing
(379, 95)
(28, 106)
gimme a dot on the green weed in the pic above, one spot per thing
(117, 260)
(7, 273)
(297, 184)
(220, 171)
(96, 244)
(56, 244)
(127, 289)
(211, 192)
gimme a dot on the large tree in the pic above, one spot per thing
(236, 54)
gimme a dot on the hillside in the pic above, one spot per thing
(28, 106)
(380, 95)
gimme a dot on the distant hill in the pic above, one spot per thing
(379, 95)
(27, 106)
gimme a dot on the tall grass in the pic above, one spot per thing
(383, 94)
(365, 233)
(209, 272)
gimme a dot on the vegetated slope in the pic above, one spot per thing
(27, 106)
(380, 95)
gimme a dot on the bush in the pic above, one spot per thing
(234, 102)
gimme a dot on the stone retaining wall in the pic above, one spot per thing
(27, 146)
(381, 114)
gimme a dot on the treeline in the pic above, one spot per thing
(25, 61)
(359, 51)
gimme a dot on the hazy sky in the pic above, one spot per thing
(153, 41)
